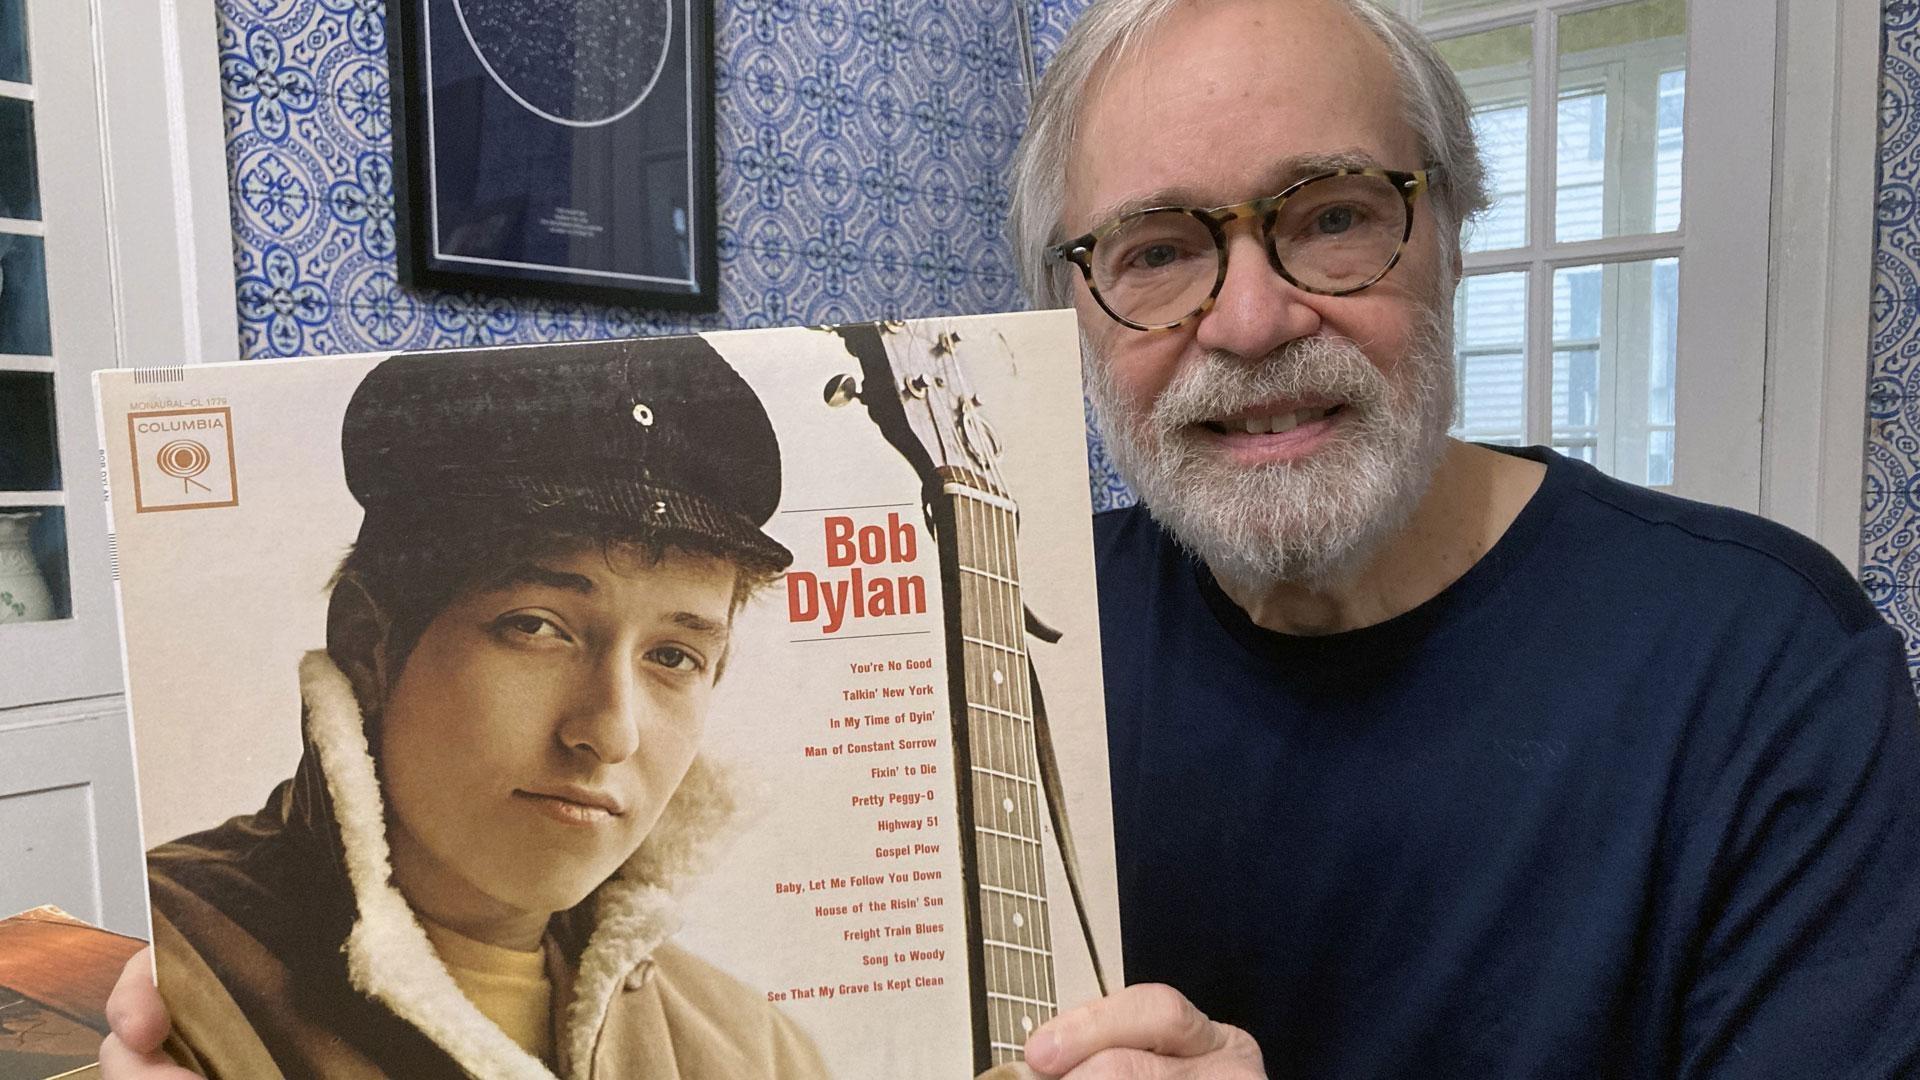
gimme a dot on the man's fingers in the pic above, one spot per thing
(1017, 1070)
(1150, 1017)
(1233, 1062)
(117, 1062)
(134, 1009)
(139, 1021)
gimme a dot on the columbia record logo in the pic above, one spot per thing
(183, 459)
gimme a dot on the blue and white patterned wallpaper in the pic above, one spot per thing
(1890, 522)
(862, 153)
(862, 147)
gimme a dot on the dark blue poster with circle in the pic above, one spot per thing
(557, 147)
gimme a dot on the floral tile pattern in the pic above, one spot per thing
(861, 146)
(862, 149)
(1897, 204)
(1900, 64)
(1890, 506)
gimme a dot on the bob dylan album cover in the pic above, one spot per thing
(723, 673)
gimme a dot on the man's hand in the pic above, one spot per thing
(139, 1021)
(1146, 1032)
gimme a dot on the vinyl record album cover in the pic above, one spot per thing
(722, 706)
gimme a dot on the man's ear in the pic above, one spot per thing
(357, 632)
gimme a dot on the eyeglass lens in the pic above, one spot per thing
(1333, 234)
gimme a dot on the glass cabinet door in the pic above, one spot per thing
(33, 585)
(57, 625)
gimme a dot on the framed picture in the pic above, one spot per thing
(556, 147)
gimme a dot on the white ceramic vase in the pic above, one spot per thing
(24, 596)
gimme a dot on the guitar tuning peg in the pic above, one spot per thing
(916, 387)
(842, 390)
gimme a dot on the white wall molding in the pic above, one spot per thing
(53, 714)
(1826, 135)
(69, 821)
(165, 160)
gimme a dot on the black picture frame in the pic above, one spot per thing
(528, 163)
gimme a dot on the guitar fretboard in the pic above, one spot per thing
(1010, 872)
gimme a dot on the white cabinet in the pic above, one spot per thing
(93, 197)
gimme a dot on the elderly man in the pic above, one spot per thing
(1429, 759)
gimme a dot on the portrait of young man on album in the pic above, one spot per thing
(472, 869)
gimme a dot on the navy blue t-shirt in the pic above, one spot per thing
(1637, 796)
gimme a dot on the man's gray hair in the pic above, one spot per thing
(1431, 99)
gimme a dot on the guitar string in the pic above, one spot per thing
(1001, 1009)
(963, 545)
(1006, 758)
(964, 533)
(1019, 694)
(1012, 757)
(965, 541)
(1005, 597)
(949, 444)
(969, 539)
(1001, 1021)
(1005, 613)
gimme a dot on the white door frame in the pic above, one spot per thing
(168, 211)
(1826, 138)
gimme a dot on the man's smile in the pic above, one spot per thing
(1272, 419)
(1281, 432)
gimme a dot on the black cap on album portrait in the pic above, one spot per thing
(659, 440)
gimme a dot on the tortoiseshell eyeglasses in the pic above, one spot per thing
(1333, 233)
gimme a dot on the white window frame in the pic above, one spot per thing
(1818, 114)
(1820, 269)
(1723, 287)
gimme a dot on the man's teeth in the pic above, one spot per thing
(1275, 425)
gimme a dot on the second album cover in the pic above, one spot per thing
(716, 706)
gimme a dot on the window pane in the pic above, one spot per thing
(1496, 70)
(1576, 361)
(19, 190)
(23, 296)
(1666, 165)
(28, 458)
(1490, 358)
(1439, 9)
(1581, 149)
(1614, 337)
(1622, 85)
(13, 41)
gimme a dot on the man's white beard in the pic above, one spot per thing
(1315, 521)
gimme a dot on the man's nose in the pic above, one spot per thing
(1257, 310)
(606, 711)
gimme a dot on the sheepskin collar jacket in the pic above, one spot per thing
(284, 949)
